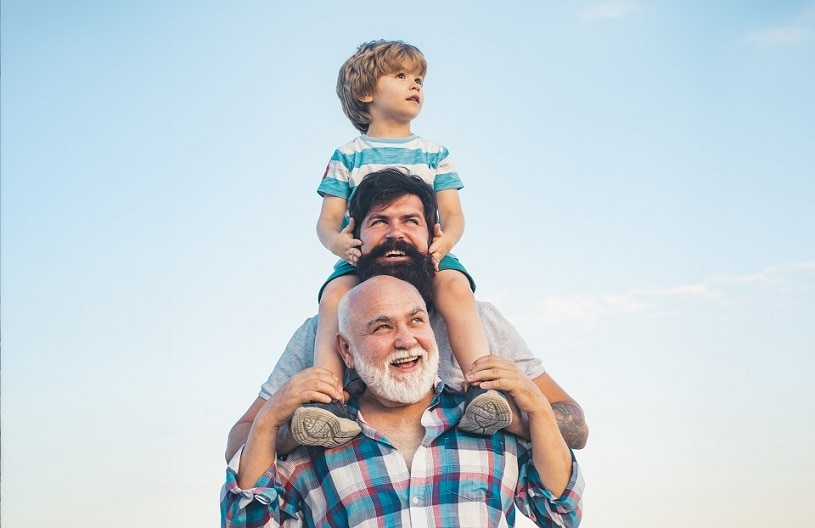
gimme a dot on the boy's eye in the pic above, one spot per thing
(419, 81)
(400, 75)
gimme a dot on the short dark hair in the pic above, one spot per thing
(385, 186)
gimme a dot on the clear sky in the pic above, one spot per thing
(639, 189)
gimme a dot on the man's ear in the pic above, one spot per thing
(345, 351)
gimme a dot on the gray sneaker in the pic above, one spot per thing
(485, 411)
(323, 424)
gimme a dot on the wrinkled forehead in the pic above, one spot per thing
(404, 206)
(383, 298)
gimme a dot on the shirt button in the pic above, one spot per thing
(415, 500)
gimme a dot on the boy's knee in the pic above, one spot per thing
(451, 283)
(335, 289)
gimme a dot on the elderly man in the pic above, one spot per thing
(411, 465)
(395, 217)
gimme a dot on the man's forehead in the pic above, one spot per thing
(410, 204)
(384, 297)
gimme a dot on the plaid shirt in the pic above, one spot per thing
(456, 479)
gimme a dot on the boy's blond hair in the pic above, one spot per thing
(358, 75)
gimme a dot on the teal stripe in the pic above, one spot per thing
(449, 180)
(334, 187)
(389, 156)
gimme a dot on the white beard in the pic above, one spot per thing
(405, 388)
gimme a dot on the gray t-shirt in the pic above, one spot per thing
(503, 339)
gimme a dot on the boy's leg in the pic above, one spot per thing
(485, 411)
(327, 424)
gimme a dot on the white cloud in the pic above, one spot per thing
(800, 30)
(590, 309)
(605, 11)
(780, 36)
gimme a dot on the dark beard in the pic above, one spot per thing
(419, 270)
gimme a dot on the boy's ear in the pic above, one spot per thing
(366, 98)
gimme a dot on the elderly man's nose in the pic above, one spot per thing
(404, 337)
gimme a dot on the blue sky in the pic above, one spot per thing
(638, 189)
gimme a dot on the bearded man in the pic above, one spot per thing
(411, 465)
(395, 217)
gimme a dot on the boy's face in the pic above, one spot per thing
(397, 98)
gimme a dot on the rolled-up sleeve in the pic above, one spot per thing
(542, 507)
(257, 507)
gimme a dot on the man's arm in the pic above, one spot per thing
(550, 454)
(240, 432)
(312, 385)
(568, 413)
(298, 356)
(506, 342)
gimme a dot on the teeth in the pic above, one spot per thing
(395, 254)
(404, 360)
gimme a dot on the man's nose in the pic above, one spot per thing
(404, 337)
(395, 231)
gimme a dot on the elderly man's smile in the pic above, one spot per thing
(406, 364)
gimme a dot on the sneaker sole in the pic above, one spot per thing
(312, 426)
(487, 414)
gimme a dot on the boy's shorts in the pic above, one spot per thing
(448, 262)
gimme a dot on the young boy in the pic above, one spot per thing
(380, 88)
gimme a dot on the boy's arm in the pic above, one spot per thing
(451, 223)
(339, 241)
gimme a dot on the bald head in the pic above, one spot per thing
(376, 293)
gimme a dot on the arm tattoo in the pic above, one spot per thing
(572, 424)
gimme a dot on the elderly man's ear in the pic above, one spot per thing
(345, 351)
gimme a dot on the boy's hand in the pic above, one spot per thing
(440, 247)
(346, 246)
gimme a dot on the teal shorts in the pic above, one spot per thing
(448, 262)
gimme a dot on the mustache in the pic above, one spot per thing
(418, 270)
(396, 245)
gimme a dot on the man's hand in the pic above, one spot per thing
(494, 372)
(345, 246)
(314, 384)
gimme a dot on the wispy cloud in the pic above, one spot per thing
(800, 30)
(722, 289)
(605, 11)
(780, 36)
